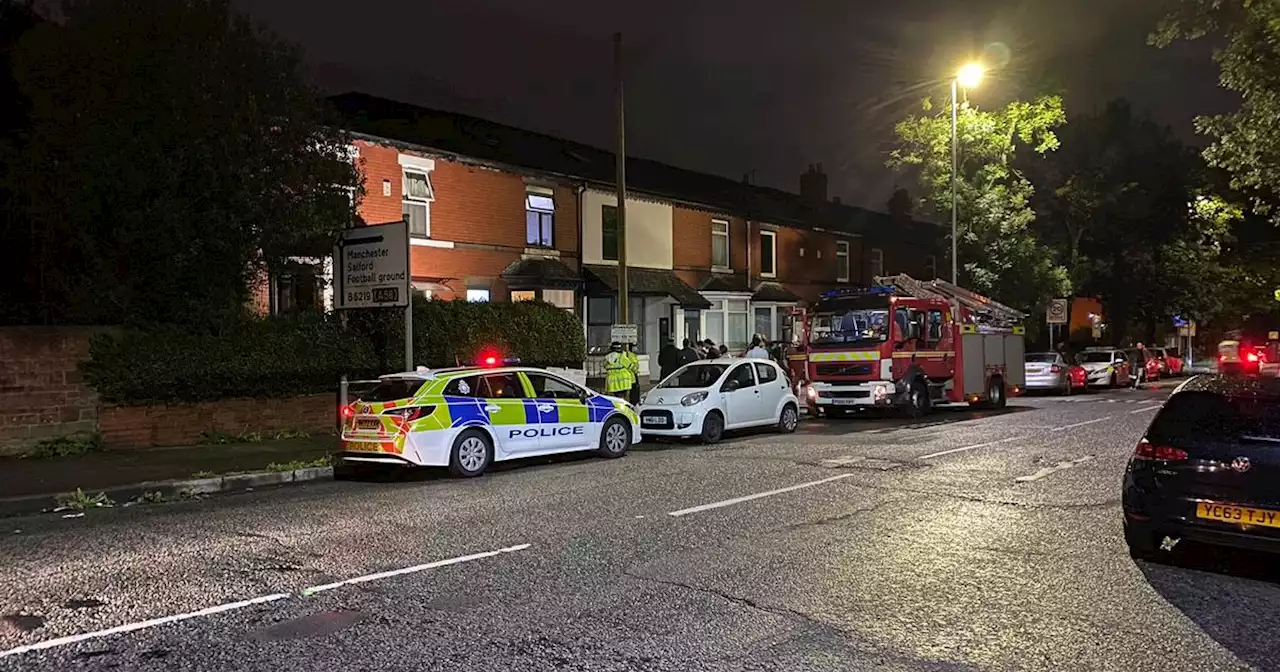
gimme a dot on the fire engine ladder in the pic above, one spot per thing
(985, 310)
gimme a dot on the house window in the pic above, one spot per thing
(726, 322)
(842, 261)
(560, 298)
(478, 295)
(719, 244)
(599, 321)
(877, 262)
(539, 216)
(523, 295)
(416, 203)
(930, 267)
(423, 288)
(771, 321)
(609, 233)
(768, 254)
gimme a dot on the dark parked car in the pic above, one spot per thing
(1208, 468)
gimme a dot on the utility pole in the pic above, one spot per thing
(624, 315)
(955, 166)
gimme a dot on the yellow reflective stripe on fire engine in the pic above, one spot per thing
(1019, 330)
(856, 356)
(968, 329)
(924, 353)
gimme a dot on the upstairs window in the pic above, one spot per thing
(876, 262)
(842, 261)
(609, 232)
(768, 254)
(719, 244)
(539, 216)
(415, 205)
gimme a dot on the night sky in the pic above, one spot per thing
(729, 87)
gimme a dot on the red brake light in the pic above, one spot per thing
(1253, 356)
(410, 413)
(1147, 451)
(347, 411)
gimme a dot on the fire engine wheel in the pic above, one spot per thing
(918, 402)
(995, 393)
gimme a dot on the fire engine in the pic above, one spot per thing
(908, 344)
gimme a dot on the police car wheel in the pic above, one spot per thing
(471, 455)
(615, 438)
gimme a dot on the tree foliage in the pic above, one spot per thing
(1246, 143)
(175, 154)
(999, 252)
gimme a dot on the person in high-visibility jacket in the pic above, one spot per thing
(617, 371)
(633, 366)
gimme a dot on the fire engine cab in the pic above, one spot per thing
(909, 344)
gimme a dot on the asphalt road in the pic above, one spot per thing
(967, 541)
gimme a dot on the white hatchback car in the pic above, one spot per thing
(705, 398)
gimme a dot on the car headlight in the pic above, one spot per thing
(1111, 369)
(693, 398)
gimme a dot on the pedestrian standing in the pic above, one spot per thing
(668, 359)
(709, 350)
(633, 369)
(757, 349)
(617, 371)
(688, 353)
(724, 351)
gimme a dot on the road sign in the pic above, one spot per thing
(1273, 335)
(624, 333)
(373, 267)
(1179, 321)
(1057, 312)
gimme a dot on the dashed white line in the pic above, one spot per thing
(1081, 424)
(1054, 469)
(1144, 410)
(232, 606)
(758, 495)
(930, 456)
(410, 570)
(141, 625)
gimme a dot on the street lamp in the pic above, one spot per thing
(968, 76)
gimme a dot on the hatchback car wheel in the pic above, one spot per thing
(471, 455)
(789, 419)
(712, 427)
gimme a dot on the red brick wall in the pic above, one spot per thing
(41, 393)
(184, 424)
(378, 163)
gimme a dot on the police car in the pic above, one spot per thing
(467, 418)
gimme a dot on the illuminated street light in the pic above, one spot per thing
(968, 76)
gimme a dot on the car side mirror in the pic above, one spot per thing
(729, 386)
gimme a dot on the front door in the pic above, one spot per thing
(564, 420)
(503, 401)
(742, 397)
(772, 388)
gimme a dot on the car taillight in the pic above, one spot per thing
(347, 411)
(1055, 369)
(1148, 451)
(1253, 356)
(410, 413)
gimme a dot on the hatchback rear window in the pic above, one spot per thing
(391, 389)
(1192, 418)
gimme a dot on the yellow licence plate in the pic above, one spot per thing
(362, 446)
(1238, 514)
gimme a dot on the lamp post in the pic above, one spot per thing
(968, 77)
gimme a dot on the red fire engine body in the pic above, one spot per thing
(909, 344)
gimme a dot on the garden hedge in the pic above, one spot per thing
(290, 356)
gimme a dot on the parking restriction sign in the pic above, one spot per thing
(1057, 311)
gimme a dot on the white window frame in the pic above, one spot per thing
(422, 166)
(875, 263)
(540, 192)
(842, 261)
(728, 251)
(931, 267)
(478, 294)
(720, 305)
(773, 246)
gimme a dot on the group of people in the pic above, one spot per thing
(622, 364)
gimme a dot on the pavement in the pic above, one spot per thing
(963, 541)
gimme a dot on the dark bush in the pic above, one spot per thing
(288, 356)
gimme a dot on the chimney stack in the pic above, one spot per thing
(813, 186)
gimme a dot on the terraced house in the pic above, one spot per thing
(502, 214)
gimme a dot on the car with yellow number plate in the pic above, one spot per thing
(467, 418)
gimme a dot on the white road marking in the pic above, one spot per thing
(974, 447)
(410, 570)
(758, 495)
(1054, 469)
(141, 625)
(232, 606)
(1144, 410)
(1081, 424)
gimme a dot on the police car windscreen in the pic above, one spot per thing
(391, 389)
(696, 375)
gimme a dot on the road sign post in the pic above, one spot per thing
(624, 333)
(373, 272)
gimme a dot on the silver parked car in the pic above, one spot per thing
(1048, 371)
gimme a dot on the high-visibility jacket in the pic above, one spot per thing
(633, 365)
(617, 372)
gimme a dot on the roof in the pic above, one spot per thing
(772, 291)
(649, 281)
(540, 273)
(467, 138)
(725, 283)
(1267, 387)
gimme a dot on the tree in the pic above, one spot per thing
(998, 250)
(175, 155)
(1246, 143)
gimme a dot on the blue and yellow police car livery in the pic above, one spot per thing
(467, 418)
